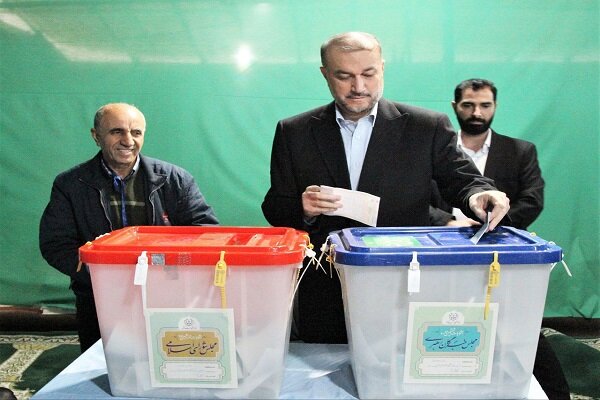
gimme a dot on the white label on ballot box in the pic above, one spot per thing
(191, 348)
(449, 343)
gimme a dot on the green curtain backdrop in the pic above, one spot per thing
(214, 77)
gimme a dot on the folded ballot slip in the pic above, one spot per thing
(482, 231)
(359, 206)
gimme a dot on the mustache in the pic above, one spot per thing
(474, 119)
(356, 94)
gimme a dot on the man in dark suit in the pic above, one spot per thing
(513, 165)
(366, 143)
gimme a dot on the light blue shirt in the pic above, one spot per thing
(356, 136)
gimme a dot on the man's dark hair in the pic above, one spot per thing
(475, 85)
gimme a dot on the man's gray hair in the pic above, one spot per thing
(349, 41)
(102, 110)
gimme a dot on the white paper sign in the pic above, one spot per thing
(191, 347)
(359, 206)
(449, 343)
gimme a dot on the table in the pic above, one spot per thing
(312, 371)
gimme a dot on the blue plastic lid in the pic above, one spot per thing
(439, 246)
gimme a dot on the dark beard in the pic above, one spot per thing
(473, 130)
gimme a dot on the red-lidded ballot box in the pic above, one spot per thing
(431, 315)
(195, 312)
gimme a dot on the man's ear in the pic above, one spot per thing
(453, 104)
(94, 136)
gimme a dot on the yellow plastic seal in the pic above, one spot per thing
(493, 281)
(221, 271)
(221, 277)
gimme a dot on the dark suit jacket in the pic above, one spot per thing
(513, 165)
(409, 147)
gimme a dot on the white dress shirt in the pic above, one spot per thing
(479, 157)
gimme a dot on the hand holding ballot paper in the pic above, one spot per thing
(360, 206)
(327, 200)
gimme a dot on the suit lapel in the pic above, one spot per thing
(494, 159)
(387, 131)
(326, 134)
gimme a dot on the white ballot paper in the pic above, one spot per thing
(359, 206)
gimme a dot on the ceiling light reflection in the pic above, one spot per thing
(15, 21)
(244, 57)
(82, 54)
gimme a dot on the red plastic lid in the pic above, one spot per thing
(197, 245)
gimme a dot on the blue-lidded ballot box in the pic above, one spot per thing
(431, 315)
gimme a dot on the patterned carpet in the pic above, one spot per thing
(30, 360)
